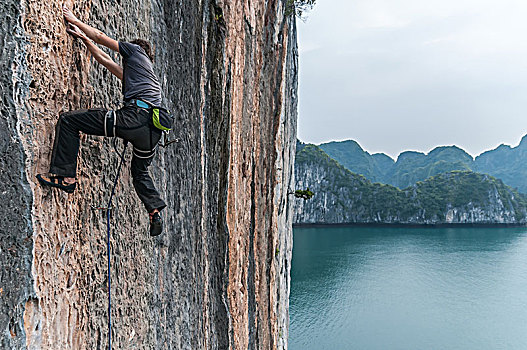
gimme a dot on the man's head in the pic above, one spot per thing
(146, 46)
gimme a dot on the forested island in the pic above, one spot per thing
(504, 162)
(441, 187)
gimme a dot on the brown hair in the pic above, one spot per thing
(145, 45)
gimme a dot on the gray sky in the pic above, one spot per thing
(400, 75)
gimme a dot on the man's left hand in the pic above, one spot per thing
(73, 30)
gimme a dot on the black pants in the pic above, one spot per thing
(131, 123)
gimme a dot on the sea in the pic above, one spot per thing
(408, 288)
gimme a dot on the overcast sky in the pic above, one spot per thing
(400, 75)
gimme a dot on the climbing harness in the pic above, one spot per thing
(161, 117)
(144, 154)
(166, 142)
(109, 124)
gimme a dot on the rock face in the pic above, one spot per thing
(343, 197)
(218, 277)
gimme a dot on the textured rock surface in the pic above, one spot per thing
(219, 278)
(343, 197)
(15, 230)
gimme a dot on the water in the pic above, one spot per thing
(409, 288)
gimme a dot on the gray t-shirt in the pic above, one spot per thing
(139, 80)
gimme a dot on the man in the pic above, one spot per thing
(133, 122)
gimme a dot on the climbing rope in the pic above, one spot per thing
(108, 216)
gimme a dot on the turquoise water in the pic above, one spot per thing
(409, 288)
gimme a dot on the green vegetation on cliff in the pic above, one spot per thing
(299, 7)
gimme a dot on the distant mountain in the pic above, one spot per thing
(413, 166)
(352, 156)
(342, 196)
(506, 163)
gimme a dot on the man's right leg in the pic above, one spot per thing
(143, 184)
(67, 138)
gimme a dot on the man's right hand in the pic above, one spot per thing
(69, 16)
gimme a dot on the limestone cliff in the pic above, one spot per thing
(343, 197)
(219, 277)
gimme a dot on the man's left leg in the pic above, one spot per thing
(66, 145)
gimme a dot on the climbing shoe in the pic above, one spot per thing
(156, 224)
(56, 181)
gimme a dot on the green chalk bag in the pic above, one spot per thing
(162, 118)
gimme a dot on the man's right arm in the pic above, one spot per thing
(94, 34)
(99, 55)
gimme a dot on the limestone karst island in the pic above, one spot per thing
(443, 187)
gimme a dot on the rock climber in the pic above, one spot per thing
(133, 122)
